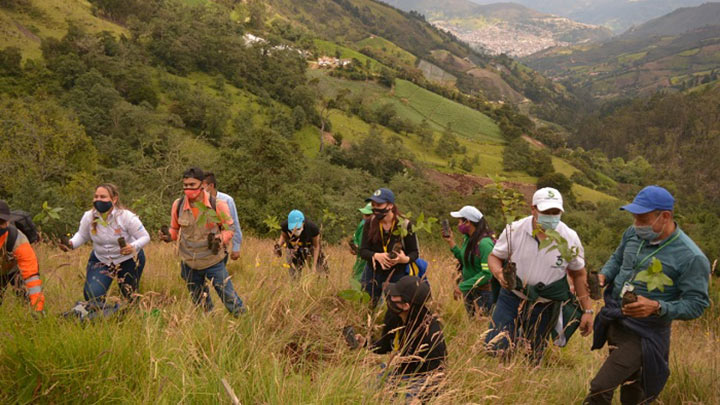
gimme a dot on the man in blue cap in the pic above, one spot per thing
(301, 237)
(637, 328)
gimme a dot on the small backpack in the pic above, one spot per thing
(25, 224)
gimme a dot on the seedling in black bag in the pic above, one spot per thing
(349, 333)
(121, 242)
(445, 228)
(213, 243)
(628, 298)
(395, 251)
(509, 272)
(594, 285)
(353, 246)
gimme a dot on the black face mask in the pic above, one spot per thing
(2, 231)
(380, 213)
(394, 306)
(102, 206)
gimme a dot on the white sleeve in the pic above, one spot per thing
(83, 233)
(135, 228)
(577, 263)
(501, 246)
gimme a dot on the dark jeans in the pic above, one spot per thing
(100, 276)
(372, 282)
(220, 279)
(520, 320)
(621, 368)
(478, 300)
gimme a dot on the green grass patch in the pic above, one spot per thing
(387, 47)
(587, 194)
(418, 102)
(561, 166)
(631, 57)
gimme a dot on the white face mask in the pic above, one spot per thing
(297, 231)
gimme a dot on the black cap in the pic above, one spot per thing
(194, 173)
(5, 214)
(412, 289)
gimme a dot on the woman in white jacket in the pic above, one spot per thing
(118, 238)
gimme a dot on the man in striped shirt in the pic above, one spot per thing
(18, 260)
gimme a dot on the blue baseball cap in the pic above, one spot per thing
(651, 198)
(381, 196)
(295, 219)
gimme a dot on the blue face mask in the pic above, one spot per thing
(548, 221)
(646, 232)
(2, 231)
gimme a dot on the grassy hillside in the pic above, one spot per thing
(389, 49)
(25, 24)
(288, 348)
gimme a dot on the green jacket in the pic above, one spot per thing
(681, 260)
(359, 265)
(476, 273)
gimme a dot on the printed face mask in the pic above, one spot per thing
(646, 232)
(548, 221)
(102, 206)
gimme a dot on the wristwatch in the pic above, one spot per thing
(657, 311)
(589, 311)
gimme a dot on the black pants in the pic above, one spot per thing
(13, 278)
(622, 367)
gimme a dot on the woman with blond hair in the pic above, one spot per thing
(118, 238)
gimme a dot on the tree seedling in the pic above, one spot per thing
(654, 277)
(512, 204)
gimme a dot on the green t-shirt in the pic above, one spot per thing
(476, 273)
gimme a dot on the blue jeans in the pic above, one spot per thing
(100, 276)
(372, 282)
(220, 279)
(531, 322)
(478, 300)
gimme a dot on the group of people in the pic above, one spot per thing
(526, 310)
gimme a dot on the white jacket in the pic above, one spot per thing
(120, 222)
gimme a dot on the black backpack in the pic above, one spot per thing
(25, 224)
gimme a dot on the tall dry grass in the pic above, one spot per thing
(288, 348)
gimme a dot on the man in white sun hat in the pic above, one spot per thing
(540, 303)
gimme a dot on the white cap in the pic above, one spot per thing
(468, 212)
(548, 198)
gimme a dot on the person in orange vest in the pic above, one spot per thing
(18, 260)
(203, 246)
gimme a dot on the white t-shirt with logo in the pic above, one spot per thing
(533, 265)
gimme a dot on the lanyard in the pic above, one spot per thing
(642, 244)
(382, 237)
